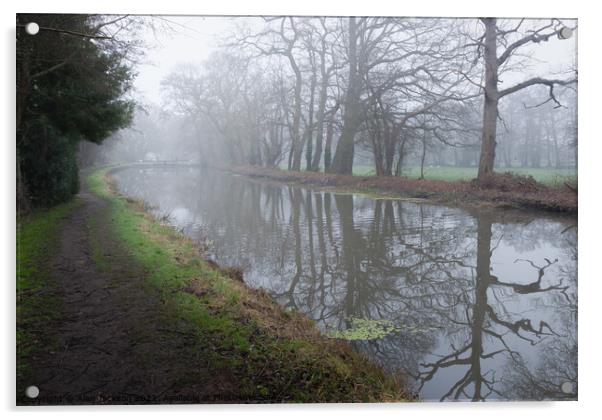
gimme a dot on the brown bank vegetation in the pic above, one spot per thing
(499, 189)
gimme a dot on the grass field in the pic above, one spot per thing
(548, 176)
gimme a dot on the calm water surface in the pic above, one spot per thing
(478, 305)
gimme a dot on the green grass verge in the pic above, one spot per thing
(38, 236)
(273, 354)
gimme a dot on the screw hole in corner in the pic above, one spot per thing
(32, 28)
(32, 391)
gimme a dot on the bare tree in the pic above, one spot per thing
(404, 69)
(487, 50)
(283, 40)
(342, 162)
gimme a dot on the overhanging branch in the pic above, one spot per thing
(551, 83)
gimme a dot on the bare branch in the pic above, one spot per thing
(535, 37)
(536, 81)
(72, 33)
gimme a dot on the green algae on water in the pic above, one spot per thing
(365, 329)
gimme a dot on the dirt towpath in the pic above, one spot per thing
(115, 346)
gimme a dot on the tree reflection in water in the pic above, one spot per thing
(485, 301)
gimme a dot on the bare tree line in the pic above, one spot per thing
(319, 94)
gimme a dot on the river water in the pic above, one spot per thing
(467, 304)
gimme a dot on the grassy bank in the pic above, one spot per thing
(552, 177)
(263, 352)
(548, 176)
(502, 190)
(38, 236)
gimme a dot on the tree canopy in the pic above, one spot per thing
(72, 81)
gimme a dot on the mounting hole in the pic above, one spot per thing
(32, 28)
(565, 33)
(32, 391)
(567, 387)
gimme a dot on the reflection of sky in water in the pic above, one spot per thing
(181, 216)
(340, 256)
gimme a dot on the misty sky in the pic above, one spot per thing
(193, 38)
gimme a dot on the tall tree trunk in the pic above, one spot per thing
(343, 157)
(490, 107)
(377, 149)
(290, 157)
(309, 150)
(390, 134)
(315, 164)
(423, 157)
(297, 140)
(399, 164)
(328, 145)
(310, 127)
